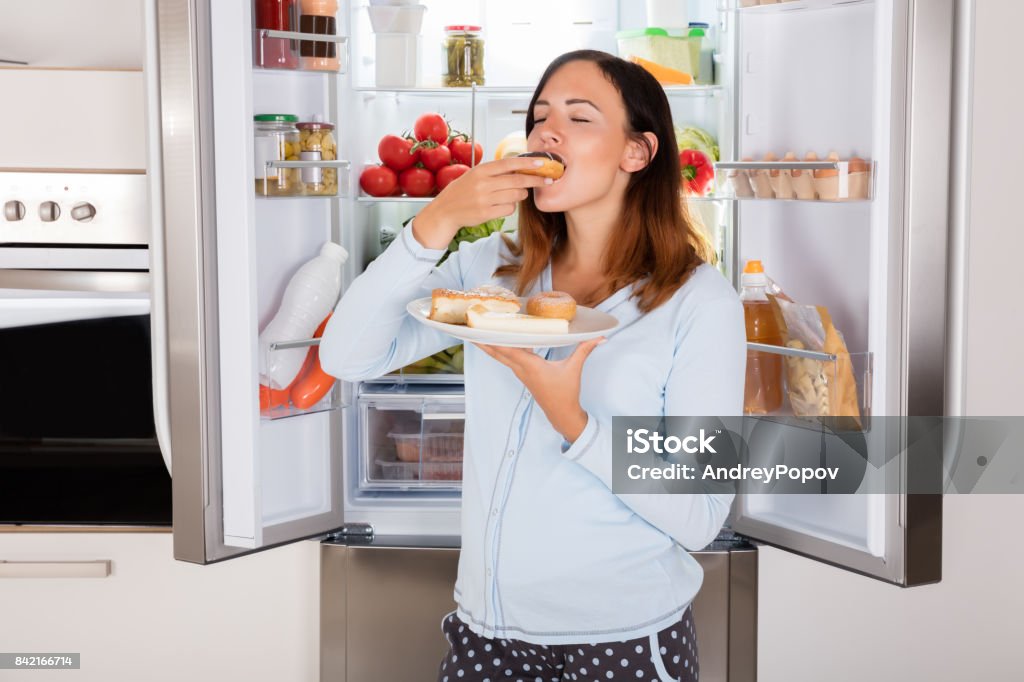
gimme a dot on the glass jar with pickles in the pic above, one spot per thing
(317, 143)
(276, 138)
(463, 57)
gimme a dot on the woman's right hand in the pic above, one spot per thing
(487, 191)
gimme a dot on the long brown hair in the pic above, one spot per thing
(657, 245)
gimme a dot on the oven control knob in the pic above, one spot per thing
(49, 211)
(14, 210)
(83, 212)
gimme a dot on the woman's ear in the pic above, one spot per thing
(636, 156)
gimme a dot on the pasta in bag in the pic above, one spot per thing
(817, 388)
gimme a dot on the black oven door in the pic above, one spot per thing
(77, 438)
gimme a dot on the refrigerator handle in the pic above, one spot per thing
(158, 279)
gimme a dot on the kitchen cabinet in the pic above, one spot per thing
(73, 119)
(158, 619)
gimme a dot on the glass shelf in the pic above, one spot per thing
(780, 6)
(302, 196)
(670, 90)
(315, 163)
(364, 199)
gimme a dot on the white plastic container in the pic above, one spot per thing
(309, 297)
(397, 64)
(396, 19)
(393, 3)
(667, 14)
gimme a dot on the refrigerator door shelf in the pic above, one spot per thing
(282, 46)
(824, 181)
(816, 381)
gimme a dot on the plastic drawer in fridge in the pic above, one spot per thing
(411, 440)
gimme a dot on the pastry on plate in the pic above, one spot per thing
(449, 305)
(479, 316)
(557, 304)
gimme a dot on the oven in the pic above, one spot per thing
(78, 438)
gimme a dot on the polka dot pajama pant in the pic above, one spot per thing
(669, 655)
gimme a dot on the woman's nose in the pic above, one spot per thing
(550, 135)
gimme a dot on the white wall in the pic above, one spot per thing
(820, 623)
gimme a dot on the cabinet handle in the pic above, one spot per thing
(55, 569)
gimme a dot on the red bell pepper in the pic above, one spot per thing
(698, 171)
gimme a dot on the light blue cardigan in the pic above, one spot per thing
(549, 554)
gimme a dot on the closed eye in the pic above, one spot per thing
(577, 120)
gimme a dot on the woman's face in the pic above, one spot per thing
(580, 116)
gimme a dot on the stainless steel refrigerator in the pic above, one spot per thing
(868, 79)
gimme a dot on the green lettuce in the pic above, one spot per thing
(695, 138)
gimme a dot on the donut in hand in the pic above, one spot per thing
(554, 165)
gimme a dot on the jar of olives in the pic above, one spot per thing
(316, 143)
(275, 138)
(463, 57)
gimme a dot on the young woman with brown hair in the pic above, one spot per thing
(559, 577)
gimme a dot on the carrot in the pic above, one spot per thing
(663, 74)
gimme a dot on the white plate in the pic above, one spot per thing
(588, 324)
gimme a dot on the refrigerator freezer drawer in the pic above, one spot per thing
(381, 611)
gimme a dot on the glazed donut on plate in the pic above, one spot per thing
(556, 304)
(554, 165)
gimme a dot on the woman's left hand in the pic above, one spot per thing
(554, 384)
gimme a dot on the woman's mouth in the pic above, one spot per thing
(547, 155)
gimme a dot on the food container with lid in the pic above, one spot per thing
(428, 447)
(462, 57)
(276, 138)
(655, 44)
(420, 471)
(702, 52)
(317, 143)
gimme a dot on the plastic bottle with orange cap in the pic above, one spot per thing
(763, 391)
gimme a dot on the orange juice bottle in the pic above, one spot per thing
(763, 392)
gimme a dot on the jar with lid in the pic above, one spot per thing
(275, 53)
(316, 143)
(276, 138)
(463, 56)
(319, 17)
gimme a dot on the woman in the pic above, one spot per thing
(560, 578)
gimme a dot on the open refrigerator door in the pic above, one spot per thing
(840, 183)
